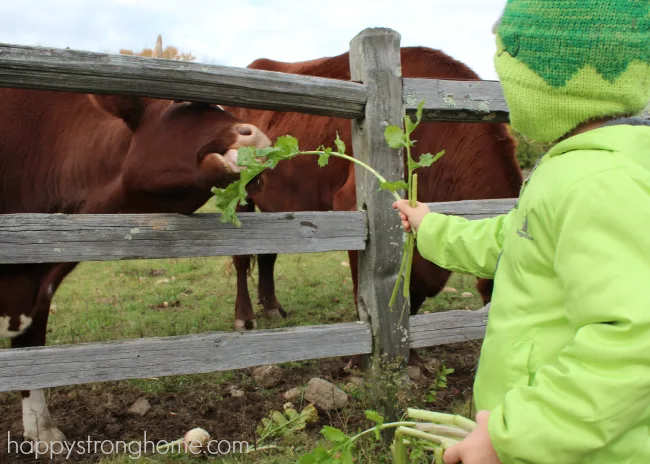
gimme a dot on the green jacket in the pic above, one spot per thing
(565, 364)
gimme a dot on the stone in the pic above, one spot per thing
(140, 407)
(236, 392)
(414, 372)
(325, 395)
(449, 290)
(467, 295)
(293, 394)
(268, 376)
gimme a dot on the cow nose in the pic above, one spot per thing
(249, 135)
(245, 130)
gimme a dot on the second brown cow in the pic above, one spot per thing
(479, 163)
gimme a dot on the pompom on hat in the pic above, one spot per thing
(565, 62)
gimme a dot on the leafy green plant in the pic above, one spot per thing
(439, 383)
(256, 160)
(437, 433)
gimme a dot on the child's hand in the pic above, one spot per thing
(476, 448)
(411, 217)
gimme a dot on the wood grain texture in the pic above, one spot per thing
(459, 101)
(448, 327)
(59, 365)
(78, 71)
(474, 209)
(39, 238)
(43, 367)
(375, 61)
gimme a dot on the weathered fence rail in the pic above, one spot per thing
(51, 238)
(79, 71)
(55, 366)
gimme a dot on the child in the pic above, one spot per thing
(564, 371)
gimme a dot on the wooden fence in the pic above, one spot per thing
(379, 96)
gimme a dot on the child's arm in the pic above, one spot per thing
(455, 243)
(599, 387)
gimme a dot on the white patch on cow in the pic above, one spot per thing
(5, 322)
(50, 291)
(37, 422)
(241, 325)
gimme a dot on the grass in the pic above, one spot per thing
(131, 299)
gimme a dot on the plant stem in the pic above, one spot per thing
(443, 430)
(377, 427)
(442, 419)
(354, 160)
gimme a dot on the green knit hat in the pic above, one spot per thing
(565, 62)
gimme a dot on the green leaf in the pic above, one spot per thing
(375, 417)
(334, 435)
(340, 144)
(395, 137)
(323, 159)
(393, 186)
(418, 112)
(426, 161)
(438, 156)
(246, 156)
(317, 456)
(346, 455)
(288, 146)
(409, 124)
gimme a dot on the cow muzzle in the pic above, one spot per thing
(247, 136)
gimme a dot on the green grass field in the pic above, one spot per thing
(132, 299)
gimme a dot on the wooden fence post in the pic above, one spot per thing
(375, 62)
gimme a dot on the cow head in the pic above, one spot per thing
(177, 150)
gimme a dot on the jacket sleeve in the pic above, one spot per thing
(599, 385)
(463, 245)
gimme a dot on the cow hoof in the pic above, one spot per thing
(249, 324)
(47, 439)
(275, 314)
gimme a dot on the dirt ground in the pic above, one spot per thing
(100, 411)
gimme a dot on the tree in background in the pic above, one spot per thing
(170, 52)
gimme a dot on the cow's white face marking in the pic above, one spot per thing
(5, 332)
(37, 422)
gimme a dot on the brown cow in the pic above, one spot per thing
(74, 154)
(479, 163)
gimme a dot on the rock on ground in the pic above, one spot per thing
(325, 395)
(293, 394)
(268, 376)
(140, 407)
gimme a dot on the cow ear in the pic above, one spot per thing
(126, 107)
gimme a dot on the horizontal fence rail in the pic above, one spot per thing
(474, 209)
(54, 238)
(88, 72)
(39, 238)
(456, 101)
(54, 366)
(78, 71)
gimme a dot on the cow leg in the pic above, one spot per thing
(244, 315)
(485, 288)
(356, 361)
(38, 426)
(266, 287)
